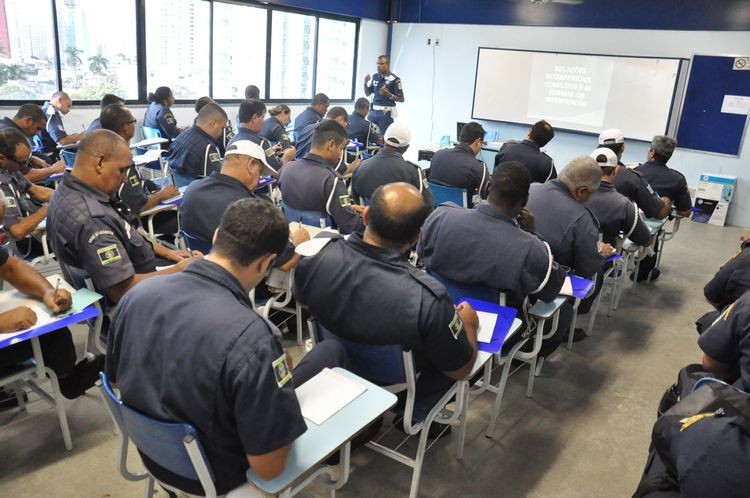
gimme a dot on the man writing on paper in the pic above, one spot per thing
(232, 380)
(30, 120)
(410, 308)
(541, 167)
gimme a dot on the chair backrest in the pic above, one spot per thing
(381, 364)
(196, 243)
(149, 132)
(312, 218)
(165, 443)
(443, 193)
(458, 290)
(69, 157)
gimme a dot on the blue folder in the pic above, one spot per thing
(505, 316)
(581, 286)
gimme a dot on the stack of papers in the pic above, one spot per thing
(487, 323)
(325, 394)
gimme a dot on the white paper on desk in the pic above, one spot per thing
(312, 247)
(325, 394)
(487, 323)
(150, 156)
(567, 288)
(736, 104)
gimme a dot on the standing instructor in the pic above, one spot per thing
(387, 89)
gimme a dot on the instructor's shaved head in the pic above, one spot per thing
(102, 160)
(396, 214)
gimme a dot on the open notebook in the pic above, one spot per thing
(325, 394)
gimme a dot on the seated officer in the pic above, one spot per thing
(195, 152)
(312, 184)
(312, 114)
(666, 182)
(252, 92)
(139, 194)
(107, 99)
(233, 381)
(630, 182)
(228, 131)
(615, 212)
(58, 350)
(206, 200)
(541, 167)
(158, 115)
(389, 166)
(251, 116)
(359, 128)
(30, 120)
(88, 229)
(305, 136)
(570, 229)
(54, 133)
(410, 308)
(493, 245)
(459, 166)
(25, 202)
(274, 127)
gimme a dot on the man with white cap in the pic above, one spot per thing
(389, 166)
(206, 199)
(631, 183)
(615, 212)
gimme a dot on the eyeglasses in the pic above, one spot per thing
(133, 121)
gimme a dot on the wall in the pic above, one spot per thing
(447, 96)
(371, 9)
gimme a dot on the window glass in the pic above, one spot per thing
(336, 41)
(292, 54)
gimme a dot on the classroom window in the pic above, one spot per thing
(292, 55)
(239, 57)
(27, 50)
(177, 41)
(97, 55)
(336, 44)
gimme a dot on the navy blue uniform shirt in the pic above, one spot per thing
(189, 347)
(483, 246)
(540, 166)
(275, 133)
(160, 117)
(247, 134)
(667, 182)
(304, 139)
(54, 131)
(570, 229)
(387, 166)
(632, 184)
(459, 167)
(732, 280)
(194, 153)
(361, 130)
(86, 232)
(305, 118)
(311, 184)
(133, 190)
(392, 82)
(18, 203)
(616, 214)
(96, 124)
(7, 122)
(409, 308)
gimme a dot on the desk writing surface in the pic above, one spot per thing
(320, 440)
(149, 142)
(313, 231)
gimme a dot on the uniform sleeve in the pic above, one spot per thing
(648, 200)
(396, 88)
(285, 255)
(500, 154)
(265, 406)
(12, 210)
(103, 255)
(636, 229)
(721, 341)
(419, 181)
(683, 202)
(132, 193)
(716, 290)
(280, 136)
(338, 206)
(4, 256)
(540, 275)
(482, 179)
(587, 259)
(271, 157)
(373, 136)
(213, 160)
(55, 128)
(23, 183)
(167, 123)
(443, 335)
(553, 170)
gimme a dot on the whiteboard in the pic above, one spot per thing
(580, 92)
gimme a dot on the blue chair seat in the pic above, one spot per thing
(444, 193)
(196, 243)
(312, 218)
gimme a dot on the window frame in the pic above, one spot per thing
(142, 63)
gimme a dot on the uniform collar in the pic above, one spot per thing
(493, 212)
(530, 143)
(76, 184)
(313, 110)
(317, 159)
(197, 129)
(382, 254)
(606, 186)
(557, 183)
(654, 163)
(8, 121)
(230, 181)
(389, 152)
(465, 148)
(217, 273)
(246, 131)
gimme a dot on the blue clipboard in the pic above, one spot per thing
(613, 257)
(581, 286)
(505, 316)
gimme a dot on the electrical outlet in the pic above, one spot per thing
(437, 41)
(429, 41)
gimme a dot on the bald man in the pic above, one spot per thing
(195, 152)
(89, 230)
(54, 134)
(410, 308)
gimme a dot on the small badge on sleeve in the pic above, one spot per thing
(10, 202)
(109, 254)
(214, 157)
(456, 326)
(169, 118)
(281, 371)
(345, 201)
(134, 180)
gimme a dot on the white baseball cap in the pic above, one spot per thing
(611, 157)
(611, 136)
(248, 148)
(398, 134)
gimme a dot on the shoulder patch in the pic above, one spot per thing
(134, 180)
(214, 157)
(456, 326)
(687, 422)
(109, 254)
(345, 201)
(169, 118)
(10, 202)
(281, 370)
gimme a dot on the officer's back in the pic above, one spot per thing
(312, 114)
(459, 167)
(541, 167)
(159, 116)
(664, 180)
(195, 153)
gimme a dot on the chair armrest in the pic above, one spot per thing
(544, 311)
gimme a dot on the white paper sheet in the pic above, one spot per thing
(325, 394)
(736, 104)
(487, 323)
(312, 247)
(567, 288)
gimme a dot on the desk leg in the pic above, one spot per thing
(41, 372)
